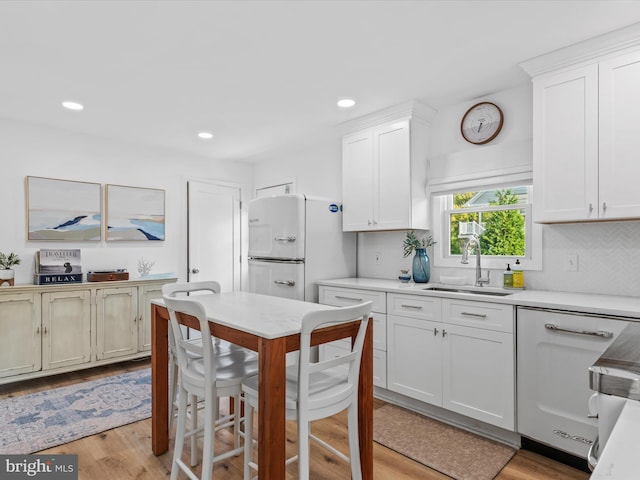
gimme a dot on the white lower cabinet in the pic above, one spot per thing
(456, 354)
(342, 297)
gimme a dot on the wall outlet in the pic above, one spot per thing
(378, 258)
(571, 264)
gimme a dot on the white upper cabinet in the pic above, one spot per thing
(384, 174)
(585, 131)
(619, 137)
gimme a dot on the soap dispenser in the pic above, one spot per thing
(518, 275)
(507, 277)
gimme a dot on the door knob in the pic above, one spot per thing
(195, 270)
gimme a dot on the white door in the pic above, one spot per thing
(214, 234)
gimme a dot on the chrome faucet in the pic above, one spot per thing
(465, 260)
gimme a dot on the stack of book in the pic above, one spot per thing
(57, 266)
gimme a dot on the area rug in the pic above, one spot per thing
(454, 452)
(38, 421)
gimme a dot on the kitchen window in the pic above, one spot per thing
(499, 216)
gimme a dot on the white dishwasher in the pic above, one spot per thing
(555, 349)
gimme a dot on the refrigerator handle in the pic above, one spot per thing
(289, 239)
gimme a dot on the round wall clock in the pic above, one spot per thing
(481, 123)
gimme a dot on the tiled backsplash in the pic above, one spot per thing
(608, 259)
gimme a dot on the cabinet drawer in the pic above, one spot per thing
(342, 297)
(489, 316)
(415, 306)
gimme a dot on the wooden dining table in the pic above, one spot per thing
(271, 327)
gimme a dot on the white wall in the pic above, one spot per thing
(29, 150)
(316, 168)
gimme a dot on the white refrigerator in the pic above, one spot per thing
(295, 241)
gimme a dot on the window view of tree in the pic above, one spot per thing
(501, 230)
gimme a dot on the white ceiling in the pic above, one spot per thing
(264, 76)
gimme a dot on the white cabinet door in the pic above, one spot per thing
(66, 328)
(619, 137)
(145, 295)
(414, 365)
(479, 374)
(20, 324)
(392, 176)
(116, 322)
(357, 181)
(565, 146)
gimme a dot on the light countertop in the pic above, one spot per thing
(619, 458)
(578, 302)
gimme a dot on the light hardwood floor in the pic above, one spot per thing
(125, 453)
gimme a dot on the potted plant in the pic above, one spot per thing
(413, 243)
(6, 272)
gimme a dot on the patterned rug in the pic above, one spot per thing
(457, 453)
(38, 421)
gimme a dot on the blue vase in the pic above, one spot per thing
(421, 267)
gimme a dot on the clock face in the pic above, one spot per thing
(481, 123)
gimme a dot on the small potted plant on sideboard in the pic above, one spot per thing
(6, 272)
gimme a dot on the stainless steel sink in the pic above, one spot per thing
(468, 290)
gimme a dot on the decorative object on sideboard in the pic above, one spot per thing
(134, 213)
(6, 272)
(421, 263)
(56, 266)
(144, 266)
(63, 210)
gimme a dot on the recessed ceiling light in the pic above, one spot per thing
(205, 135)
(73, 106)
(346, 102)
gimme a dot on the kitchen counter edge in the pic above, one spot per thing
(613, 305)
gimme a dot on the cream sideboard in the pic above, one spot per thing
(52, 329)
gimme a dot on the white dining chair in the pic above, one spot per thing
(207, 376)
(220, 347)
(317, 390)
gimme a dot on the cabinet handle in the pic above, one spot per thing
(599, 333)
(349, 298)
(444, 333)
(375, 222)
(417, 307)
(604, 206)
(38, 330)
(369, 222)
(435, 331)
(288, 283)
(471, 314)
(590, 207)
(45, 331)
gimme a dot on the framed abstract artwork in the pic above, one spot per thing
(63, 210)
(134, 213)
